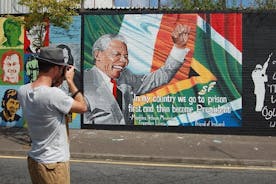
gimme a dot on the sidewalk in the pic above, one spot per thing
(227, 150)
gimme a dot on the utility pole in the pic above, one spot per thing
(82, 4)
(223, 4)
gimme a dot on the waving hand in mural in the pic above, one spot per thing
(180, 35)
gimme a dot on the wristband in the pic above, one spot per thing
(75, 94)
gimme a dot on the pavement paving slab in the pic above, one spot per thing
(169, 147)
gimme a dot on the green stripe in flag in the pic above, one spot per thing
(228, 85)
(226, 69)
(96, 26)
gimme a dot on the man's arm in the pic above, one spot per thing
(146, 83)
(266, 63)
(79, 104)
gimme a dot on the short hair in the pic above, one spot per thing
(44, 66)
(9, 93)
(258, 66)
(10, 53)
(70, 59)
(103, 42)
(10, 21)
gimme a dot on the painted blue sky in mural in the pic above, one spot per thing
(72, 35)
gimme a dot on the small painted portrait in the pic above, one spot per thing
(36, 37)
(12, 32)
(68, 58)
(11, 63)
(32, 68)
(10, 105)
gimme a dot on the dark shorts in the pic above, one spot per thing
(54, 173)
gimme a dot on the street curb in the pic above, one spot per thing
(178, 160)
(158, 159)
(13, 153)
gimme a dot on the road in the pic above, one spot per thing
(14, 170)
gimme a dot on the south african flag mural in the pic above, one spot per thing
(206, 90)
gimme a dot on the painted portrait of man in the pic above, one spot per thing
(31, 68)
(155, 69)
(35, 38)
(11, 63)
(10, 105)
(12, 33)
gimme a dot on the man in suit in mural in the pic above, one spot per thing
(32, 68)
(111, 59)
(259, 78)
(10, 105)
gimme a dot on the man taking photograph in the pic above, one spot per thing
(44, 108)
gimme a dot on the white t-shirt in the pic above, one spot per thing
(44, 109)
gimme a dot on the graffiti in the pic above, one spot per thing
(270, 112)
(272, 124)
(207, 88)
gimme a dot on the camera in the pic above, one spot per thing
(64, 71)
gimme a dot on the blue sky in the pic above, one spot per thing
(153, 3)
(245, 3)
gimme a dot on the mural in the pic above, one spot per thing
(18, 66)
(11, 33)
(11, 71)
(35, 36)
(204, 89)
(11, 66)
(10, 112)
(169, 69)
(31, 68)
(70, 41)
(259, 70)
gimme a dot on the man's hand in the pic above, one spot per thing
(180, 35)
(69, 73)
(269, 56)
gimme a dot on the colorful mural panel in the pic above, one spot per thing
(11, 66)
(10, 111)
(204, 89)
(11, 34)
(226, 57)
(17, 49)
(70, 41)
(259, 68)
(18, 65)
(11, 71)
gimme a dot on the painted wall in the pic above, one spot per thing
(206, 89)
(226, 81)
